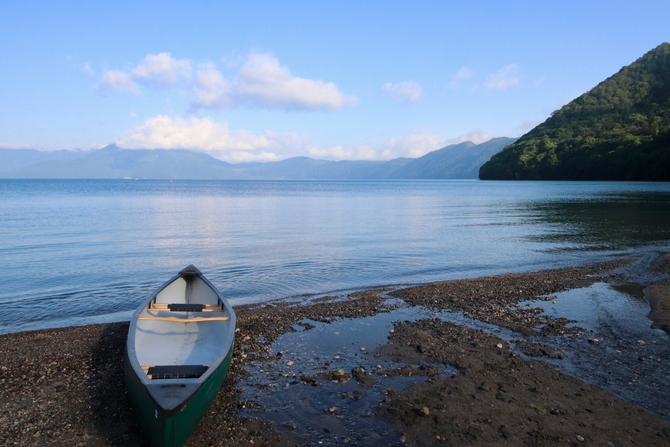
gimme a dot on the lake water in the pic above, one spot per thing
(87, 251)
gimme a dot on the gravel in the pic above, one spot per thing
(64, 387)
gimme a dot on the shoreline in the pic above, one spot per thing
(658, 295)
(65, 386)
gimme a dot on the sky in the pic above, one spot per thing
(338, 80)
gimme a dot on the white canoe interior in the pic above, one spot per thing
(177, 337)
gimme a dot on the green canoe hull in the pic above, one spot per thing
(163, 430)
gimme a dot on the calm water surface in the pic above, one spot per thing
(85, 251)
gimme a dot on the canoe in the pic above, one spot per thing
(179, 348)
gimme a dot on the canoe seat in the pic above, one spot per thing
(176, 371)
(185, 307)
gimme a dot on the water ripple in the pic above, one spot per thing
(76, 251)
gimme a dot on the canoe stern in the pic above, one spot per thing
(172, 427)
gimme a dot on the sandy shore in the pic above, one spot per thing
(64, 387)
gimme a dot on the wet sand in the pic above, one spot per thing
(64, 387)
(658, 295)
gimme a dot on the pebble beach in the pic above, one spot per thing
(466, 383)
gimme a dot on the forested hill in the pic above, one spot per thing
(620, 130)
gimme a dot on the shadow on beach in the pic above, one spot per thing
(110, 406)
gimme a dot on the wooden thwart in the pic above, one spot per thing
(185, 320)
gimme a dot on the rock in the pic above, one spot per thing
(593, 340)
(579, 438)
(358, 372)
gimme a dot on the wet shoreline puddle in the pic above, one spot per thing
(618, 351)
(326, 381)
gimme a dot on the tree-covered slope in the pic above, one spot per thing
(620, 130)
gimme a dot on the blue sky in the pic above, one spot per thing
(268, 80)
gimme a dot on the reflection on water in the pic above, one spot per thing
(603, 309)
(78, 249)
(606, 222)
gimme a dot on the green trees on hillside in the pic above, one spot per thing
(620, 130)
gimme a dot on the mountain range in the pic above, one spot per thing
(457, 161)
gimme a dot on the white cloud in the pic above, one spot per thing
(206, 135)
(504, 78)
(477, 136)
(156, 70)
(117, 81)
(407, 91)
(463, 74)
(217, 139)
(87, 69)
(417, 143)
(262, 82)
(357, 152)
(212, 90)
(161, 70)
